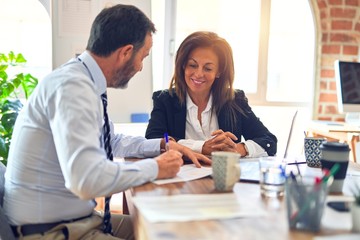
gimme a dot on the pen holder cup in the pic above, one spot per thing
(312, 151)
(305, 201)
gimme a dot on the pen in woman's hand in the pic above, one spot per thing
(166, 136)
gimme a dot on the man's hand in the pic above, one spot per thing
(195, 157)
(169, 164)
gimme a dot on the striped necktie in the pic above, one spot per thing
(107, 228)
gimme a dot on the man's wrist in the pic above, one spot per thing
(163, 143)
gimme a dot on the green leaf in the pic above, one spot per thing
(3, 58)
(13, 59)
(3, 148)
(11, 105)
(7, 88)
(8, 121)
(3, 67)
(11, 56)
(16, 81)
(2, 130)
(3, 76)
(29, 83)
(20, 58)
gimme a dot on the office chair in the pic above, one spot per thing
(5, 230)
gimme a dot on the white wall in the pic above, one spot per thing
(71, 23)
(278, 121)
(70, 34)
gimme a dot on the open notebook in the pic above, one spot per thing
(250, 166)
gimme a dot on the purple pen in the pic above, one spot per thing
(166, 136)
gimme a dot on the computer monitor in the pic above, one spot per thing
(347, 75)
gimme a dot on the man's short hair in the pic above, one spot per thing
(117, 26)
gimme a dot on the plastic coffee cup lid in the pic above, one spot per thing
(335, 146)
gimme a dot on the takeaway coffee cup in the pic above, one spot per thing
(332, 153)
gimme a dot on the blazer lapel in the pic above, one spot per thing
(179, 120)
(222, 120)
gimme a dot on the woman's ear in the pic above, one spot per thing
(218, 74)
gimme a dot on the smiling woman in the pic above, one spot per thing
(201, 109)
(267, 58)
(26, 28)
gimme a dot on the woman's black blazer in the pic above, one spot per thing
(169, 116)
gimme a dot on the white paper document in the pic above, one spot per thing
(187, 173)
(191, 207)
(249, 172)
(352, 236)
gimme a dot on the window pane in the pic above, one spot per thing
(291, 52)
(238, 25)
(28, 31)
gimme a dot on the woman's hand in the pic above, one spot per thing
(223, 141)
(195, 157)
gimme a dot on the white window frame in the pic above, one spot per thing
(256, 99)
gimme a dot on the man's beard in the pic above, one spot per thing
(124, 74)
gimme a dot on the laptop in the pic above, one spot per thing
(250, 166)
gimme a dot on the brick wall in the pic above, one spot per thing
(338, 37)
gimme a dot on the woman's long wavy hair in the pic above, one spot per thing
(222, 88)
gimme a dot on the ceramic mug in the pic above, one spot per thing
(225, 170)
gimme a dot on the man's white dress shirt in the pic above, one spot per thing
(57, 164)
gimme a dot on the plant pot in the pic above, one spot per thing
(355, 215)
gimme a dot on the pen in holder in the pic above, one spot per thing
(305, 200)
(305, 203)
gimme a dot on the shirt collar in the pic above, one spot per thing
(95, 71)
(190, 104)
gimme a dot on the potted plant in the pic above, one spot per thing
(355, 210)
(13, 88)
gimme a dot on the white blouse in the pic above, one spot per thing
(196, 134)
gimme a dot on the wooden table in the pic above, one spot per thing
(273, 226)
(336, 131)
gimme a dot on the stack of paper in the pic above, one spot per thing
(190, 207)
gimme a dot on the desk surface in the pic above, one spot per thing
(273, 226)
(334, 127)
(337, 131)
